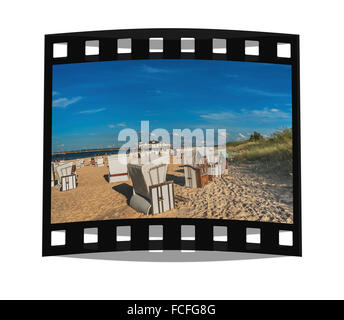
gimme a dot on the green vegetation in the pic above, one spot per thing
(256, 136)
(277, 147)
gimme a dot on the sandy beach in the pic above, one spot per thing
(249, 191)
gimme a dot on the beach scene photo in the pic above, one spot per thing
(172, 139)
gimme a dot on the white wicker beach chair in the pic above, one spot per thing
(195, 169)
(118, 170)
(196, 176)
(79, 163)
(218, 167)
(210, 154)
(100, 162)
(190, 174)
(66, 176)
(151, 192)
(214, 169)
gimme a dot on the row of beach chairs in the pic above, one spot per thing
(152, 193)
(64, 176)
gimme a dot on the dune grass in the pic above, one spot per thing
(277, 147)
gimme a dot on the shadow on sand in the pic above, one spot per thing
(124, 189)
(176, 179)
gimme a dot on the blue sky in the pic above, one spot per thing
(93, 101)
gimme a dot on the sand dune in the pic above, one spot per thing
(245, 193)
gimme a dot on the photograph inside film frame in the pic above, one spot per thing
(172, 139)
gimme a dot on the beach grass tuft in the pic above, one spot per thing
(275, 148)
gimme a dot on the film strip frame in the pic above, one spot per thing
(204, 228)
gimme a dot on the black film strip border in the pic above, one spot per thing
(236, 230)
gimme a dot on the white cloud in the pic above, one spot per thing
(90, 111)
(271, 114)
(257, 114)
(241, 135)
(112, 126)
(64, 102)
(219, 115)
(223, 134)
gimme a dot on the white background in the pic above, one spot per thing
(25, 274)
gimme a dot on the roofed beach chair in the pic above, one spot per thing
(79, 163)
(66, 176)
(214, 169)
(218, 166)
(118, 170)
(100, 162)
(195, 169)
(151, 192)
(195, 176)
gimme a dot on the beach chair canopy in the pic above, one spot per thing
(64, 169)
(145, 175)
(117, 163)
